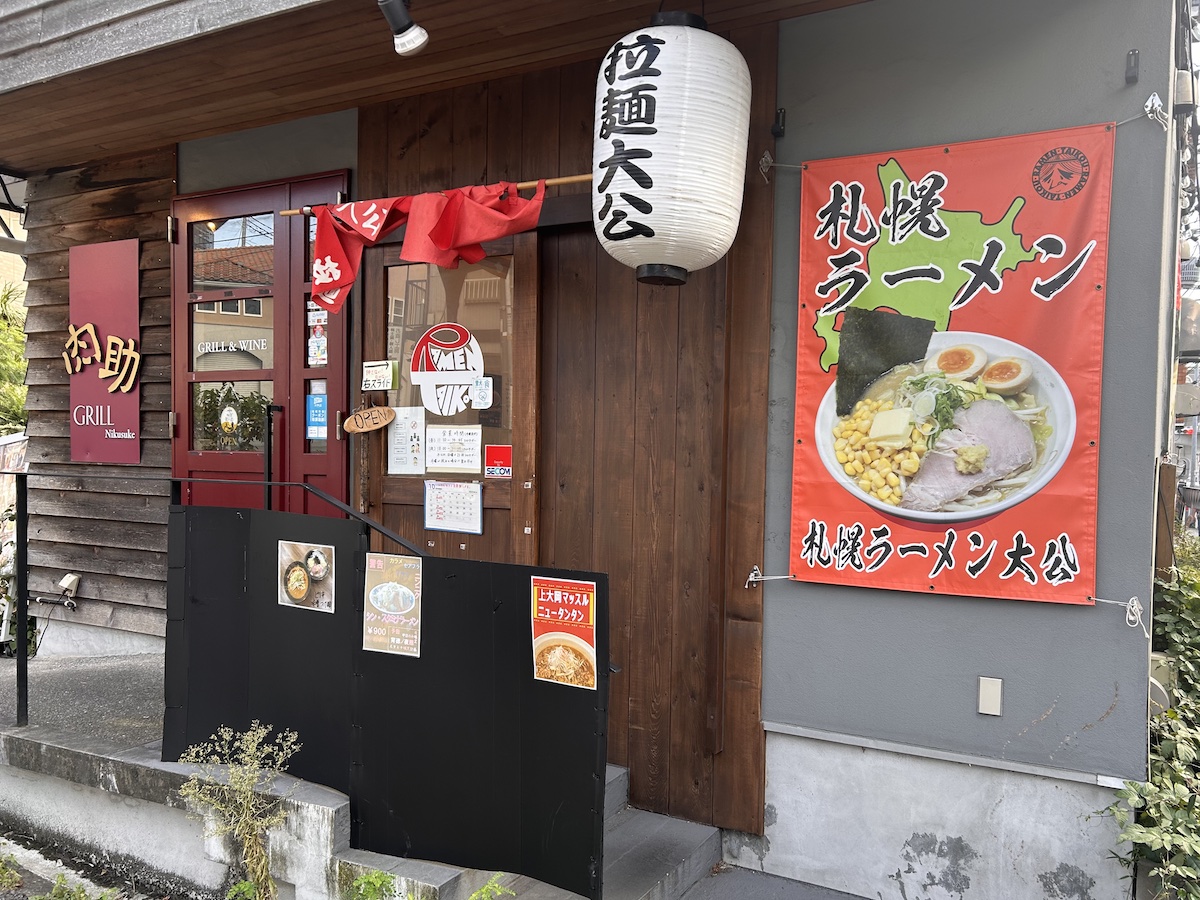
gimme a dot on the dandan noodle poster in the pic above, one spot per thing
(951, 323)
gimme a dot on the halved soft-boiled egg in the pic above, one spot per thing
(1007, 375)
(960, 361)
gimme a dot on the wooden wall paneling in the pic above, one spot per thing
(369, 468)
(575, 385)
(58, 450)
(539, 127)
(739, 771)
(97, 557)
(469, 154)
(113, 534)
(69, 234)
(616, 348)
(577, 100)
(548, 396)
(43, 424)
(526, 484)
(371, 177)
(131, 485)
(404, 147)
(505, 105)
(699, 413)
(367, 340)
(155, 311)
(654, 588)
(150, 165)
(107, 204)
(47, 291)
(104, 614)
(130, 534)
(437, 140)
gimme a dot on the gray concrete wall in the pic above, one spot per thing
(271, 153)
(902, 668)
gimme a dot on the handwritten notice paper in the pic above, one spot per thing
(454, 448)
(406, 441)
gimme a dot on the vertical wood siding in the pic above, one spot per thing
(650, 468)
(103, 522)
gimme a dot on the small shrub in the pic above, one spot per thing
(374, 885)
(63, 891)
(1159, 817)
(10, 878)
(237, 771)
(493, 890)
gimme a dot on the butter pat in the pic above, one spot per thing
(892, 428)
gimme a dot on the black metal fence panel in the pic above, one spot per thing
(459, 755)
(463, 755)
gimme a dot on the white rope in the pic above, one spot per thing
(1133, 612)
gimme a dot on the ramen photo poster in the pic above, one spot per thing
(306, 576)
(948, 370)
(564, 631)
(392, 607)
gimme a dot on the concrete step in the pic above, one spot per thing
(646, 857)
(616, 793)
(653, 857)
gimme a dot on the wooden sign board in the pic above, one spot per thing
(370, 419)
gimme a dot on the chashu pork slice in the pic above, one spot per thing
(987, 422)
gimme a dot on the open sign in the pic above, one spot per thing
(370, 419)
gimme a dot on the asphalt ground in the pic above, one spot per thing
(120, 699)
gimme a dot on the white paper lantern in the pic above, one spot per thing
(669, 151)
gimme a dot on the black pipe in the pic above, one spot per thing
(21, 576)
(271, 410)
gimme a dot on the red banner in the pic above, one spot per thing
(951, 324)
(443, 227)
(101, 353)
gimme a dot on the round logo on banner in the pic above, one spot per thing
(1061, 173)
(446, 361)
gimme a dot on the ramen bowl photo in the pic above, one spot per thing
(564, 658)
(392, 598)
(977, 426)
(296, 582)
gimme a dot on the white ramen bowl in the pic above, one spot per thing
(1047, 385)
(378, 595)
(576, 643)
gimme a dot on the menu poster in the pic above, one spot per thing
(564, 631)
(392, 611)
(306, 576)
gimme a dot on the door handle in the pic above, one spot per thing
(337, 418)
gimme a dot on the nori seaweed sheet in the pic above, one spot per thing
(874, 341)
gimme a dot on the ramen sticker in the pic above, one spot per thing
(564, 631)
(447, 364)
(951, 319)
(392, 611)
(306, 576)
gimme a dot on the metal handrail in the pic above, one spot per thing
(21, 551)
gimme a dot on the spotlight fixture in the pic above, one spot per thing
(409, 36)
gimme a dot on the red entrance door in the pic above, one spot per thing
(257, 365)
